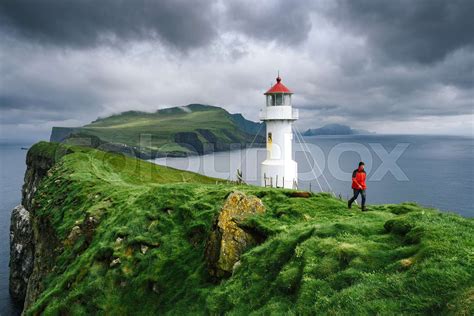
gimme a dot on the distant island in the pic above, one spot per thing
(335, 129)
(194, 129)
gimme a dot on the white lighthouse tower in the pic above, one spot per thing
(279, 169)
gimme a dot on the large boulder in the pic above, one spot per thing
(228, 240)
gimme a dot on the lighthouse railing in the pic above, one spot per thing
(282, 112)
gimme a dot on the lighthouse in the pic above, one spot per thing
(279, 169)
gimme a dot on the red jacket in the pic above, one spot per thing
(358, 179)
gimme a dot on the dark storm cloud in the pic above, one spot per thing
(423, 31)
(287, 22)
(182, 24)
(57, 107)
(13, 107)
(348, 61)
(38, 85)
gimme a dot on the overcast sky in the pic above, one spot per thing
(387, 66)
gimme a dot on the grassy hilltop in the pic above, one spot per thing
(316, 256)
(178, 131)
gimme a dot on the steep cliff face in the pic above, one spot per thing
(47, 247)
(21, 252)
(59, 134)
(38, 163)
(26, 241)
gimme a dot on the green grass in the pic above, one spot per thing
(127, 128)
(317, 258)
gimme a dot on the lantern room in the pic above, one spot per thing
(278, 94)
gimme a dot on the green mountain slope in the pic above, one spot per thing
(143, 231)
(178, 131)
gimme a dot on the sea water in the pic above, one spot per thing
(434, 171)
(12, 171)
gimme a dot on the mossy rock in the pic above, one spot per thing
(228, 240)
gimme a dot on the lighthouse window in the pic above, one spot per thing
(272, 99)
(269, 100)
(279, 99)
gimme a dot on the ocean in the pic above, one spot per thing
(12, 171)
(435, 171)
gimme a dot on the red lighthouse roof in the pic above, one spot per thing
(278, 88)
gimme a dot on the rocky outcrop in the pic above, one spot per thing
(21, 252)
(228, 240)
(37, 166)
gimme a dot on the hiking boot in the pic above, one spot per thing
(364, 209)
(349, 204)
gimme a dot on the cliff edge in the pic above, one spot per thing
(102, 233)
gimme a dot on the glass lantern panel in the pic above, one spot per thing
(279, 99)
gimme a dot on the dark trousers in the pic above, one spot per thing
(356, 194)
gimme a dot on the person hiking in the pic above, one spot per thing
(358, 185)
